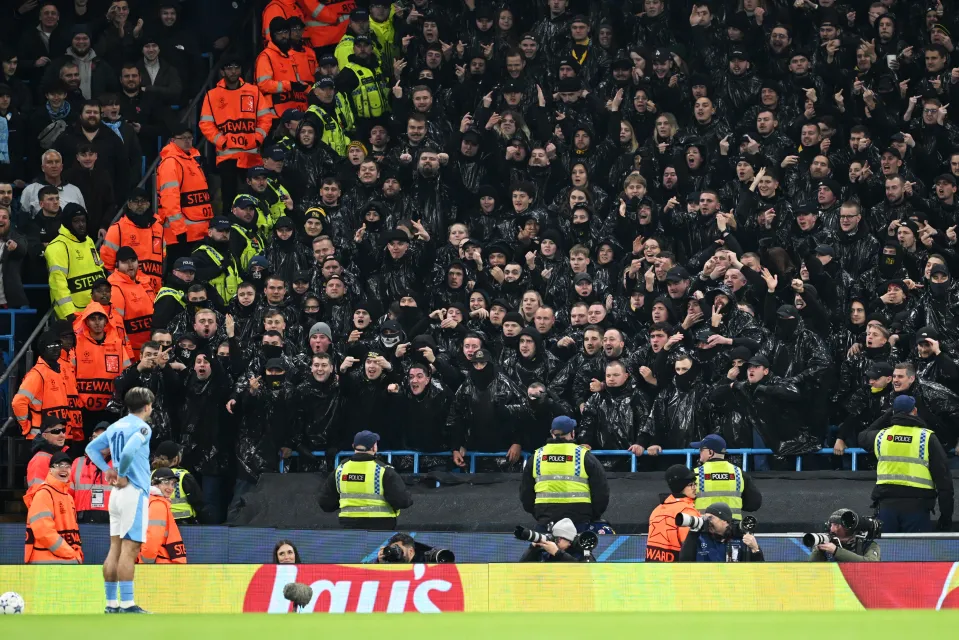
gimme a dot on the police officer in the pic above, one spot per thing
(912, 470)
(845, 546)
(564, 480)
(186, 501)
(368, 492)
(720, 481)
(215, 262)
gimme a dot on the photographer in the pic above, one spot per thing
(719, 539)
(403, 549)
(560, 549)
(844, 545)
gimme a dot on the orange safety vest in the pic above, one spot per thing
(236, 121)
(163, 545)
(148, 244)
(306, 59)
(53, 536)
(326, 24)
(68, 368)
(185, 202)
(98, 364)
(665, 538)
(44, 392)
(134, 305)
(285, 9)
(37, 470)
(89, 491)
(275, 73)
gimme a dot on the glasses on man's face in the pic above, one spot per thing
(56, 431)
(61, 465)
(931, 111)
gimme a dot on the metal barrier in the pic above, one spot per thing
(689, 453)
(13, 313)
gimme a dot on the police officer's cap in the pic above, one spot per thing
(364, 440)
(903, 404)
(219, 223)
(562, 424)
(712, 441)
(326, 82)
(244, 202)
(258, 170)
(184, 264)
(275, 153)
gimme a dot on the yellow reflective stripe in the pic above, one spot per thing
(63, 301)
(907, 459)
(576, 479)
(42, 514)
(318, 10)
(261, 132)
(169, 185)
(896, 476)
(35, 481)
(56, 545)
(145, 560)
(262, 78)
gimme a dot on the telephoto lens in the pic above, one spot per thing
(813, 539)
(522, 533)
(440, 556)
(695, 523)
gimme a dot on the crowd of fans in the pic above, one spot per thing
(455, 221)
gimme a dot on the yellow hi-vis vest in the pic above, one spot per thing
(720, 481)
(371, 94)
(903, 454)
(335, 126)
(179, 506)
(73, 265)
(360, 485)
(278, 208)
(170, 292)
(227, 282)
(559, 474)
(255, 245)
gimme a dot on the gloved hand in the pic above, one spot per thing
(181, 238)
(299, 86)
(944, 524)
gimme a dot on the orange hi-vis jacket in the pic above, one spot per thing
(45, 392)
(276, 72)
(133, 303)
(306, 59)
(285, 9)
(89, 491)
(185, 202)
(665, 538)
(53, 536)
(326, 23)
(37, 470)
(68, 368)
(236, 121)
(163, 545)
(148, 244)
(98, 363)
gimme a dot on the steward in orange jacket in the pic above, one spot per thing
(91, 493)
(68, 368)
(52, 440)
(132, 301)
(301, 50)
(163, 545)
(138, 229)
(185, 202)
(277, 73)
(101, 357)
(53, 536)
(236, 117)
(326, 23)
(665, 538)
(285, 9)
(45, 391)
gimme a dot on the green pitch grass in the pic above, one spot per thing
(870, 624)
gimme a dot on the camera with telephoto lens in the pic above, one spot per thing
(394, 553)
(533, 537)
(439, 556)
(815, 539)
(863, 526)
(696, 523)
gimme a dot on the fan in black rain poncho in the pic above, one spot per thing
(489, 413)
(680, 414)
(266, 416)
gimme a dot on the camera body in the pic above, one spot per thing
(698, 523)
(863, 527)
(394, 553)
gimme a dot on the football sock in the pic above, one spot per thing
(126, 594)
(111, 591)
